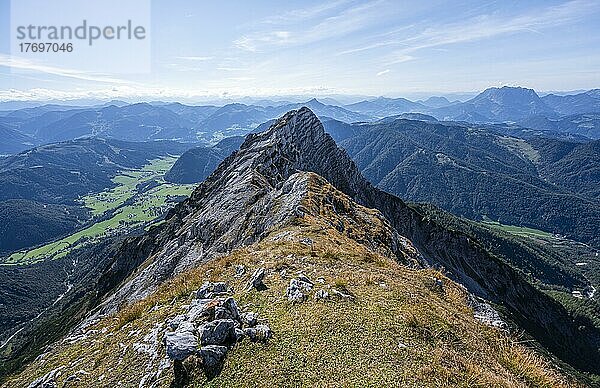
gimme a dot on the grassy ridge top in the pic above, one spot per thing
(401, 330)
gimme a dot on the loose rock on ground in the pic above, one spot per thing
(211, 326)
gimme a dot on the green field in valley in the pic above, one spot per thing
(519, 230)
(138, 199)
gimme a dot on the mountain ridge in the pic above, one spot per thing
(298, 142)
(371, 317)
(263, 186)
(268, 205)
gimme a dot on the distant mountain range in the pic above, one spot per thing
(497, 104)
(22, 129)
(574, 104)
(14, 141)
(197, 164)
(481, 173)
(576, 114)
(583, 124)
(382, 107)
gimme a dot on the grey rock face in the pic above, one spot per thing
(187, 326)
(208, 329)
(260, 333)
(298, 289)
(228, 310)
(256, 281)
(321, 295)
(174, 322)
(218, 332)
(74, 378)
(249, 319)
(304, 279)
(307, 241)
(201, 309)
(239, 335)
(240, 270)
(180, 344)
(212, 359)
(220, 288)
(204, 291)
(342, 295)
(294, 295)
(209, 290)
(48, 380)
(486, 314)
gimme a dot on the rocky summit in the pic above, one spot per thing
(286, 267)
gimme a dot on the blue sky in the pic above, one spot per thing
(381, 47)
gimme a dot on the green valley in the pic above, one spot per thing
(139, 198)
(518, 230)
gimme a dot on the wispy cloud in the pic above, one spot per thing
(369, 47)
(477, 28)
(28, 65)
(302, 14)
(197, 59)
(486, 26)
(182, 67)
(241, 79)
(256, 41)
(382, 72)
(343, 22)
(399, 58)
(225, 68)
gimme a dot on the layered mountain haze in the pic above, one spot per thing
(571, 104)
(574, 114)
(566, 115)
(508, 104)
(382, 107)
(358, 266)
(481, 172)
(152, 121)
(13, 141)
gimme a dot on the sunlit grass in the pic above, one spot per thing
(518, 230)
(397, 331)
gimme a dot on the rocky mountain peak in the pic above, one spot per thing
(261, 187)
(296, 142)
(509, 103)
(314, 102)
(267, 185)
(508, 94)
(296, 126)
